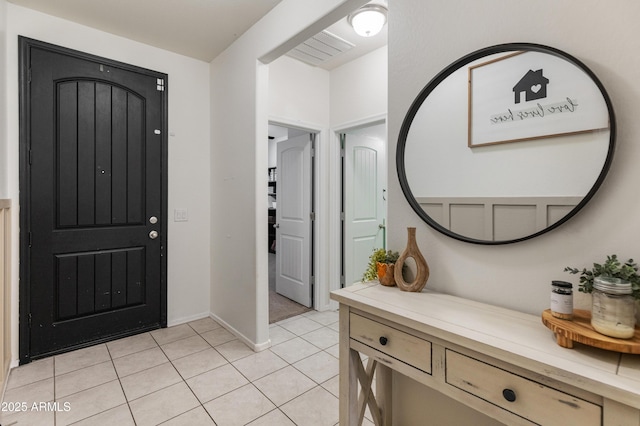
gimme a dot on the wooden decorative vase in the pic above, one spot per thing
(422, 269)
(385, 274)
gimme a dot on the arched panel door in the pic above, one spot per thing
(94, 203)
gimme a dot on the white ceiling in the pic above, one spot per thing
(363, 45)
(196, 28)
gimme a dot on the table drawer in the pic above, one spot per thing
(523, 397)
(398, 344)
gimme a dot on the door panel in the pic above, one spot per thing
(95, 175)
(88, 196)
(293, 216)
(83, 289)
(364, 183)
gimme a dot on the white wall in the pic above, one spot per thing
(239, 117)
(188, 242)
(425, 37)
(359, 89)
(350, 93)
(3, 100)
(298, 93)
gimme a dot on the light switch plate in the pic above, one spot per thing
(180, 215)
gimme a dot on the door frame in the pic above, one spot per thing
(318, 287)
(337, 228)
(24, 46)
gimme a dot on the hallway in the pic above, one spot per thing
(191, 374)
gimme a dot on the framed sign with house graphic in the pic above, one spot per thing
(531, 95)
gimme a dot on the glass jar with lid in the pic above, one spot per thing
(561, 299)
(613, 309)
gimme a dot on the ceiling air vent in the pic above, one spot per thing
(320, 48)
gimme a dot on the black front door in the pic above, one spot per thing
(93, 200)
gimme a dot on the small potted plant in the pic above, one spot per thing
(615, 289)
(381, 265)
(613, 268)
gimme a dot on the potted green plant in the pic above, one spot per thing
(613, 268)
(381, 264)
(614, 311)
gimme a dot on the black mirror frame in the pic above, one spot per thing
(417, 103)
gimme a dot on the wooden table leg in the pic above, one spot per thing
(383, 392)
(348, 378)
(366, 398)
(352, 373)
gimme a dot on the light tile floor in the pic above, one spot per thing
(192, 374)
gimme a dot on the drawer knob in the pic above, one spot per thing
(509, 395)
(383, 340)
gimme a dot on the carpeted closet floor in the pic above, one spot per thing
(280, 307)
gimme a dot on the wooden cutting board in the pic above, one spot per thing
(579, 330)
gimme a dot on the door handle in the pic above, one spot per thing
(153, 235)
(153, 220)
(276, 225)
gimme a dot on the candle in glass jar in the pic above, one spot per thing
(561, 299)
(613, 308)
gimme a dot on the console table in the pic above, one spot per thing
(503, 363)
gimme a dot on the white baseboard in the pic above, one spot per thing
(13, 364)
(190, 318)
(257, 347)
(331, 306)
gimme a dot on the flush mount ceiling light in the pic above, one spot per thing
(368, 20)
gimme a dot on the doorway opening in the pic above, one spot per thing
(363, 198)
(290, 206)
(303, 96)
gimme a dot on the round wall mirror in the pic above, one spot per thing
(506, 144)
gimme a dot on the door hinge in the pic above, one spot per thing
(312, 215)
(342, 216)
(29, 319)
(341, 281)
(313, 280)
(160, 84)
(341, 152)
(29, 75)
(29, 239)
(30, 159)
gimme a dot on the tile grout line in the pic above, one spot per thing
(179, 375)
(93, 387)
(326, 325)
(316, 384)
(53, 366)
(126, 401)
(185, 380)
(251, 382)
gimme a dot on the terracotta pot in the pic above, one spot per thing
(385, 274)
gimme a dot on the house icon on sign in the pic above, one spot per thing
(533, 84)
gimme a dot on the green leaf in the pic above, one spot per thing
(612, 268)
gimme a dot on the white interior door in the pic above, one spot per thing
(364, 210)
(293, 219)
